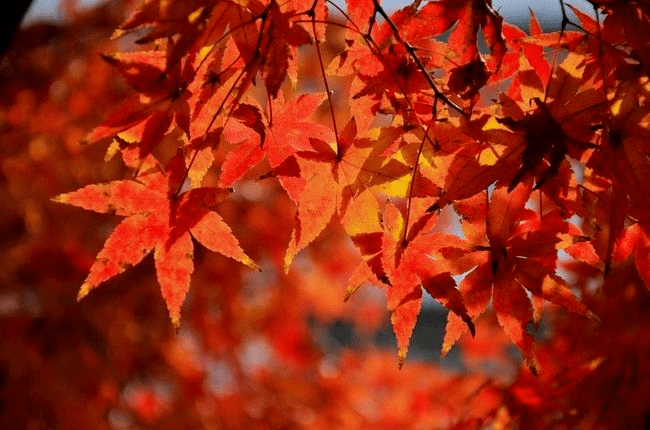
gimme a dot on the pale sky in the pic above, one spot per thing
(48, 9)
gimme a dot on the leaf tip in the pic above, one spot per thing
(176, 321)
(593, 317)
(531, 363)
(61, 198)
(117, 34)
(349, 291)
(446, 347)
(83, 291)
(470, 325)
(250, 263)
(401, 358)
(288, 259)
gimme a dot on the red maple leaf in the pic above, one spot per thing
(520, 254)
(414, 261)
(158, 219)
(162, 98)
(624, 163)
(287, 129)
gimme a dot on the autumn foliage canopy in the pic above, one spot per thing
(275, 167)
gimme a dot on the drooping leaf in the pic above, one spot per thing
(161, 220)
(419, 262)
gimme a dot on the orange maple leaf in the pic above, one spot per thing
(158, 219)
(415, 261)
(521, 255)
(162, 99)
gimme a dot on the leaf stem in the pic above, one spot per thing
(409, 48)
(312, 14)
(412, 183)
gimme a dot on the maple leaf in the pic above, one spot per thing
(635, 239)
(479, 155)
(180, 25)
(520, 255)
(524, 62)
(163, 96)
(414, 263)
(247, 134)
(160, 220)
(348, 176)
(623, 162)
(269, 49)
(389, 72)
(327, 189)
(467, 16)
(552, 144)
(541, 139)
(628, 21)
(291, 129)
(288, 133)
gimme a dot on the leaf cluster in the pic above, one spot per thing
(378, 128)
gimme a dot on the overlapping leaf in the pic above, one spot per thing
(520, 254)
(412, 261)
